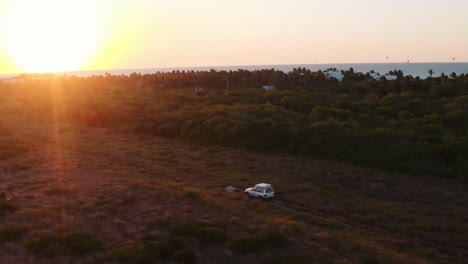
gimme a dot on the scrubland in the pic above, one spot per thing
(79, 188)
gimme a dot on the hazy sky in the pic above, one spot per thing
(166, 33)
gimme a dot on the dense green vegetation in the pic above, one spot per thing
(409, 125)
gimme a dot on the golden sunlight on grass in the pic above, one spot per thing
(60, 154)
(51, 35)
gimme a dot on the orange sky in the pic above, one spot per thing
(55, 35)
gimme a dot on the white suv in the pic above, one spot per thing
(261, 190)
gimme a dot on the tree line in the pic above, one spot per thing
(411, 125)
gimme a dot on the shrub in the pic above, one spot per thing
(53, 245)
(186, 229)
(185, 256)
(290, 259)
(192, 195)
(370, 260)
(343, 261)
(46, 246)
(259, 243)
(5, 205)
(148, 249)
(8, 234)
(211, 235)
(133, 253)
(82, 243)
(164, 248)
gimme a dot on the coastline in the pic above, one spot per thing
(416, 69)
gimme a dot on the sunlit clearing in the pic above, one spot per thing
(51, 35)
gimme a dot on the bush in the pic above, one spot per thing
(53, 245)
(82, 243)
(133, 253)
(200, 231)
(259, 243)
(290, 259)
(8, 234)
(192, 195)
(211, 235)
(148, 249)
(185, 256)
(186, 229)
(46, 246)
(5, 205)
(164, 248)
(370, 260)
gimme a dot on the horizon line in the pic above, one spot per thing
(226, 66)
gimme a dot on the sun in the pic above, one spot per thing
(51, 35)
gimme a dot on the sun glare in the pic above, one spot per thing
(51, 35)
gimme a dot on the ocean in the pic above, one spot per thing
(414, 69)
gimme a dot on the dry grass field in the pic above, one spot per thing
(89, 195)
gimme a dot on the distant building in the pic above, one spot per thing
(375, 75)
(268, 87)
(388, 77)
(332, 74)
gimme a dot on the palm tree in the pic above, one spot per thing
(430, 72)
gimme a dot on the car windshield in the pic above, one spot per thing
(269, 190)
(260, 189)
